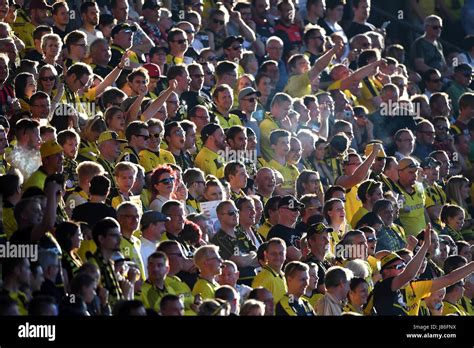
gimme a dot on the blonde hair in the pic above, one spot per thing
(204, 252)
(89, 169)
(453, 190)
(123, 166)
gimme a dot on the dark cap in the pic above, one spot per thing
(208, 130)
(231, 39)
(151, 4)
(430, 162)
(39, 5)
(290, 202)
(318, 228)
(388, 259)
(248, 91)
(123, 26)
(152, 216)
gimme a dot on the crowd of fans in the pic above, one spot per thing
(244, 158)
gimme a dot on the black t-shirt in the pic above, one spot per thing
(34, 55)
(93, 212)
(356, 28)
(388, 302)
(323, 266)
(102, 71)
(289, 235)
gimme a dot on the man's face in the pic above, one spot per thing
(248, 213)
(3, 141)
(288, 215)
(102, 54)
(266, 181)
(70, 148)
(298, 283)
(229, 216)
(275, 255)
(234, 52)
(24, 274)
(239, 142)
(41, 108)
(183, 81)
(179, 44)
(282, 146)
(287, 12)
(213, 263)
(3, 9)
(197, 79)
(435, 82)
(387, 215)
(39, 15)
(274, 50)
(219, 139)
(427, 134)
(313, 208)
(121, 11)
(129, 219)
(111, 241)
(79, 49)
(240, 177)
(408, 176)
(376, 195)
(54, 162)
(124, 38)
(281, 110)
(406, 143)
(371, 242)
(92, 15)
(248, 104)
(173, 309)
(177, 137)
(320, 243)
(157, 268)
(363, 11)
(138, 84)
(177, 216)
(62, 15)
(201, 118)
(434, 28)
(228, 276)
(175, 257)
(172, 105)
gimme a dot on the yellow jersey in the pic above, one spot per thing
(298, 85)
(272, 281)
(289, 172)
(210, 162)
(152, 159)
(151, 295)
(205, 288)
(412, 214)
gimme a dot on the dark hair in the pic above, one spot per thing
(85, 6)
(64, 232)
(272, 204)
(99, 185)
(332, 190)
(9, 184)
(124, 308)
(80, 281)
(167, 299)
(102, 227)
(20, 84)
(134, 128)
(39, 304)
(369, 219)
(79, 70)
(453, 262)
(355, 282)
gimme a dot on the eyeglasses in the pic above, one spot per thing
(236, 48)
(218, 21)
(146, 137)
(48, 78)
(166, 181)
(371, 239)
(231, 213)
(180, 42)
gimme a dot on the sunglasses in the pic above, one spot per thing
(180, 42)
(371, 239)
(189, 31)
(48, 78)
(156, 136)
(166, 181)
(398, 267)
(218, 21)
(231, 213)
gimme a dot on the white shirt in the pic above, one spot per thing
(146, 249)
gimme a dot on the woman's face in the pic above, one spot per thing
(47, 80)
(165, 185)
(52, 49)
(107, 30)
(337, 213)
(320, 151)
(213, 193)
(456, 221)
(265, 86)
(30, 87)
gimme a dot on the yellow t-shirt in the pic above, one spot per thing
(205, 288)
(130, 248)
(151, 295)
(358, 215)
(233, 120)
(272, 281)
(289, 172)
(263, 230)
(151, 159)
(412, 214)
(453, 309)
(9, 223)
(298, 85)
(416, 291)
(181, 289)
(266, 127)
(353, 203)
(36, 179)
(366, 98)
(86, 246)
(210, 162)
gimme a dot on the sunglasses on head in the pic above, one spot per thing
(166, 181)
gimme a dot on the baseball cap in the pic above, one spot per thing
(50, 148)
(39, 5)
(318, 228)
(408, 162)
(231, 39)
(388, 259)
(248, 91)
(208, 130)
(109, 135)
(430, 162)
(123, 26)
(290, 202)
(370, 146)
(151, 4)
(154, 70)
(152, 216)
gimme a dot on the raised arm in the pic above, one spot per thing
(361, 73)
(113, 75)
(414, 265)
(453, 277)
(52, 190)
(323, 61)
(158, 102)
